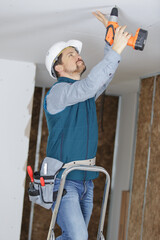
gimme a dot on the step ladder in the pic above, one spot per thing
(51, 235)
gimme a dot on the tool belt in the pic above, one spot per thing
(41, 187)
(89, 162)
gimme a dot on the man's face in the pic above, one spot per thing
(72, 61)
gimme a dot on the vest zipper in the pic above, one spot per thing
(85, 173)
(61, 147)
(87, 133)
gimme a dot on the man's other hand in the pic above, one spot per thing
(101, 17)
(120, 39)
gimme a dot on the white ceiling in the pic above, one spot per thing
(28, 28)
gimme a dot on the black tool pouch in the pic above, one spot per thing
(43, 195)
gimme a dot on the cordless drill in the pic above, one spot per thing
(137, 41)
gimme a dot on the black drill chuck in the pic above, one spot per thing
(114, 12)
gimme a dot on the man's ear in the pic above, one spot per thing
(59, 68)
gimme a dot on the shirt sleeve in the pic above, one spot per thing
(65, 94)
(104, 87)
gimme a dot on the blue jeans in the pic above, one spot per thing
(75, 209)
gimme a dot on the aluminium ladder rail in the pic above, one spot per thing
(100, 236)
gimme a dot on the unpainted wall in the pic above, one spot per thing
(145, 208)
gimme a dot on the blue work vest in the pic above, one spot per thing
(73, 134)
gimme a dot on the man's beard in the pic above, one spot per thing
(81, 69)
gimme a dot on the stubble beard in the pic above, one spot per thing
(80, 69)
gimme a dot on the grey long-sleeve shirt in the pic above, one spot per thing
(65, 94)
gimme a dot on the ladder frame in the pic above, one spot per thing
(100, 236)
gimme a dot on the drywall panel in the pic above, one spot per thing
(17, 80)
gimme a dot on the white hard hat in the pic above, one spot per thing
(56, 50)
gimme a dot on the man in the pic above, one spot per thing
(71, 117)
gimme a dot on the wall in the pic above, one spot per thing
(144, 204)
(16, 91)
(104, 157)
(122, 159)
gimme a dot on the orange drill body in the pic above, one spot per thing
(111, 27)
